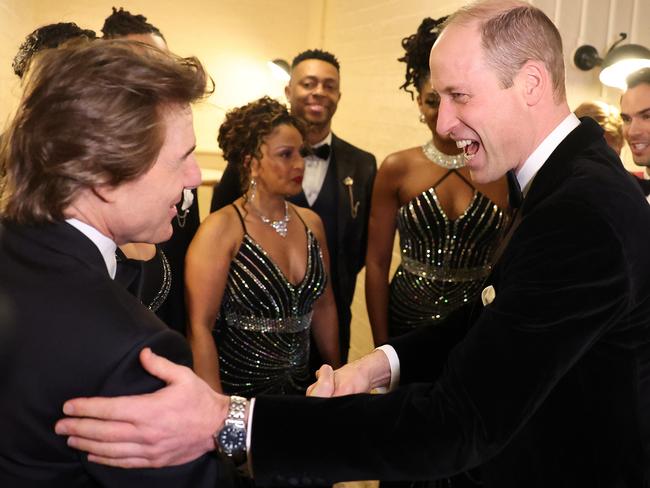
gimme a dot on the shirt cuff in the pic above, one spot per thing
(393, 361)
(249, 427)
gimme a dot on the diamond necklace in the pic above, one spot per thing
(280, 226)
(448, 161)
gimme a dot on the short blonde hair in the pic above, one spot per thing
(607, 116)
(513, 33)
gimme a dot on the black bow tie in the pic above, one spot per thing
(322, 151)
(515, 197)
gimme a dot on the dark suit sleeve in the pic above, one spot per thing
(228, 189)
(369, 183)
(567, 283)
(130, 378)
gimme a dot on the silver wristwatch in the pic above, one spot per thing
(231, 439)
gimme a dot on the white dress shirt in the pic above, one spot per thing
(105, 245)
(315, 171)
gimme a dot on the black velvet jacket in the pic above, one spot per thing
(77, 333)
(550, 387)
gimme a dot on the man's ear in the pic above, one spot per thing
(287, 90)
(535, 81)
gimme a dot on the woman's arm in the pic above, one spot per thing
(381, 234)
(206, 271)
(324, 320)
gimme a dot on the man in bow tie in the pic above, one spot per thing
(337, 182)
(550, 385)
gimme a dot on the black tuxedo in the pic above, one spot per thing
(348, 245)
(78, 333)
(644, 184)
(550, 387)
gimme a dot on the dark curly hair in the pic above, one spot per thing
(245, 128)
(46, 37)
(418, 47)
(123, 23)
(316, 54)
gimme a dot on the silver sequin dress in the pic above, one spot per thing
(262, 334)
(444, 262)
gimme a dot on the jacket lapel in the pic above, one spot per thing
(344, 169)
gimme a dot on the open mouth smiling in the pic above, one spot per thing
(469, 147)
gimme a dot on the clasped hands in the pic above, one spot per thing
(175, 425)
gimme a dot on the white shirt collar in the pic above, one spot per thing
(539, 156)
(105, 245)
(327, 140)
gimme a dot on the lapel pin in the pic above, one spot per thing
(488, 295)
(354, 207)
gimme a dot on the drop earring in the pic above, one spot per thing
(252, 188)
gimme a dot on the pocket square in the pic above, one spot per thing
(488, 295)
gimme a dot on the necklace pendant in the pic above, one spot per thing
(280, 226)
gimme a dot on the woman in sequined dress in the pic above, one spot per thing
(258, 268)
(448, 225)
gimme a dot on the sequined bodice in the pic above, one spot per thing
(444, 261)
(263, 333)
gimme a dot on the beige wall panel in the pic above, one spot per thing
(14, 15)
(233, 38)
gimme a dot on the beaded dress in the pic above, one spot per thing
(443, 261)
(149, 281)
(262, 334)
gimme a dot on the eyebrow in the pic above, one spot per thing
(643, 111)
(190, 151)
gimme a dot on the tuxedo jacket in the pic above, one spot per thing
(77, 333)
(550, 387)
(644, 184)
(350, 252)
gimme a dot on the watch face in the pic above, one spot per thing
(232, 439)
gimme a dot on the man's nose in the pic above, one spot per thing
(447, 119)
(192, 173)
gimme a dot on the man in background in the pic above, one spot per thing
(635, 112)
(337, 183)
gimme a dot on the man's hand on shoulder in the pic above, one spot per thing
(171, 426)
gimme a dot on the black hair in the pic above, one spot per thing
(418, 47)
(123, 23)
(46, 37)
(316, 54)
(639, 77)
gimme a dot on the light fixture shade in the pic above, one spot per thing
(621, 61)
(280, 69)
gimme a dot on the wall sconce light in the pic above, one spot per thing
(280, 69)
(618, 63)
